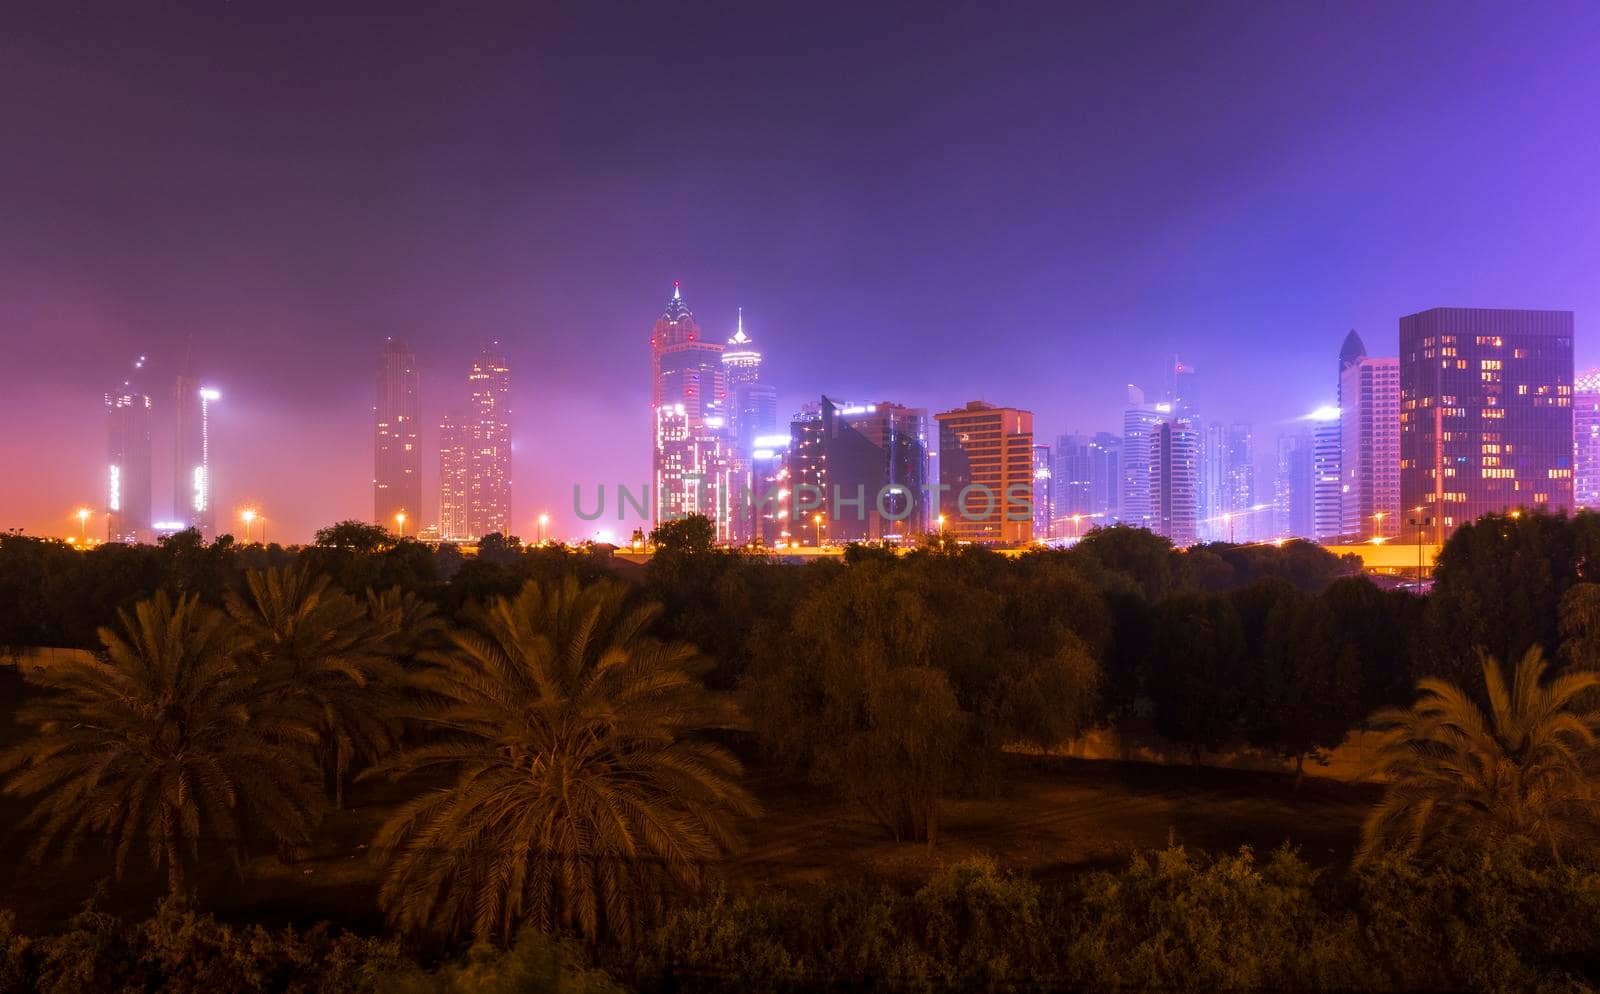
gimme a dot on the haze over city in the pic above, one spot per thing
(927, 206)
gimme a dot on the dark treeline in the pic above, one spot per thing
(571, 730)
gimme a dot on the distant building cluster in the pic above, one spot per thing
(1478, 412)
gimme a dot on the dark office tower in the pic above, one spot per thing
(453, 482)
(1174, 480)
(128, 477)
(1086, 482)
(1485, 413)
(193, 484)
(488, 436)
(1586, 439)
(397, 464)
(868, 464)
(986, 473)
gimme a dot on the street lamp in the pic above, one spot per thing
(249, 517)
(1377, 527)
(1227, 519)
(816, 519)
(544, 519)
(941, 524)
(400, 520)
(1077, 519)
(83, 524)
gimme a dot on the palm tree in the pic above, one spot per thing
(160, 745)
(321, 653)
(1525, 769)
(578, 790)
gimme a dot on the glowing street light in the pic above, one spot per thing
(248, 516)
(400, 521)
(544, 519)
(816, 519)
(941, 524)
(83, 523)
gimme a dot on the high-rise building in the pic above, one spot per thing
(752, 412)
(1294, 487)
(1485, 413)
(1087, 476)
(193, 486)
(1174, 480)
(1182, 394)
(454, 482)
(1327, 499)
(1044, 501)
(694, 457)
(1369, 441)
(397, 470)
(128, 476)
(487, 426)
(848, 456)
(986, 473)
(1586, 439)
(1138, 421)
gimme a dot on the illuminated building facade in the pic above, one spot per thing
(988, 449)
(1044, 500)
(695, 465)
(454, 489)
(1174, 446)
(193, 485)
(1369, 444)
(752, 413)
(1586, 440)
(397, 453)
(487, 431)
(128, 477)
(1327, 498)
(1485, 413)
(1138, 421)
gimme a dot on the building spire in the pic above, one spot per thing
(677, 290)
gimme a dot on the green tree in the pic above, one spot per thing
(317, 652)
(1525, 769)
(161, 747)
(582, 786)
(355, 536)
(688, 535)
(1197, 676)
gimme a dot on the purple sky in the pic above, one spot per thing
(926, 204)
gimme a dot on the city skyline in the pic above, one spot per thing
(1238, 224)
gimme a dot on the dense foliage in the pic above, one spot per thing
(562, 728)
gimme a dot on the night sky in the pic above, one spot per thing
(926, 204)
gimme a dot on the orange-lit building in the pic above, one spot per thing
(986, 474)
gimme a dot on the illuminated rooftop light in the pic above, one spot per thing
(209, 393)
(1326, 412)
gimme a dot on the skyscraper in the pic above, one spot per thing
(693, 458)
(487, 427)
(1174, 480)
(1294, 487)
(1138, 421)
(397, 470)
(1586, 439)
(1485, 413)
(986, 473)
(128, 477)
(1369, 443)
(454, 482)
(752, 413)
(1044, 501)
(193, 486)
(1087, 481)
(1327, 500)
